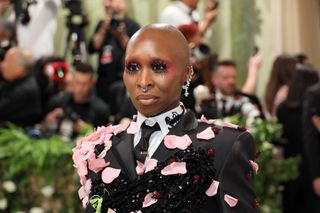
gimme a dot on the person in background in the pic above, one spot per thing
(185, 12)
(109, 41)
(37, 34)
(311, 140)
(296, 193)
(166, 160)
(78, 107)
(227, 100)
(20, 101)
(277, 86)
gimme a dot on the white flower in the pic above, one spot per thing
(9, 186)
(265, 209)
(3, 204)
(47, 191)
(36, 210)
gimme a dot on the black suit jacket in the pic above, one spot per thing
(233, 150)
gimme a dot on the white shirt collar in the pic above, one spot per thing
(160, 119)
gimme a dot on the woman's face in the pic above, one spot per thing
(156, 66)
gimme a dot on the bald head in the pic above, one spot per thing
(16, 64)
(169, 37)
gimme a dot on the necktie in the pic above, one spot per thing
(223, 109)
(141, 149)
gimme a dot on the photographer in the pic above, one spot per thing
(70, 111)
(110, 40)
(19, 94)
(51, 75)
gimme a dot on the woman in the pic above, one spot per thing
(277, 87)
(166, 160)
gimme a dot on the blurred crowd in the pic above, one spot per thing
(43, 94)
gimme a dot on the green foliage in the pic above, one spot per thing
(34, 165)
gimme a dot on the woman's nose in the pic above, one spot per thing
(145, 79)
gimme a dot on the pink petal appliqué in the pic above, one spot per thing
(96, 164)
(140, 168)
(85, 201)
(149, 200)
(110, 211)
(203, 119)
(118, 129)
(107, 146)
(174, 168)
(230, 125)
(133, 128)
(206, 134)
(231, 201)
(82, 193)
(150, 164)
(213, 188)
(255, 166)
(109, 174)
(180, 142)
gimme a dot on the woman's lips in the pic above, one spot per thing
(147, 99)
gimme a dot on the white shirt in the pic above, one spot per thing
(248, 109)
(178, 13)
(156, 137)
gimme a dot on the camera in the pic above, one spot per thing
(57, 71)
(76, 20)
(115, 22)
(66, 122)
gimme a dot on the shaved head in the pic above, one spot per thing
(167, 34)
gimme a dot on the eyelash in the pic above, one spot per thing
(157, 67)
(132, 67)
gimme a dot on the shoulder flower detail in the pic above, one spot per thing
(89, 154)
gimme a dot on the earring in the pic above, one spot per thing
(186, 85)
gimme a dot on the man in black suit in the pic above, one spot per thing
(227, 100)
(166, 160)
(311, 131)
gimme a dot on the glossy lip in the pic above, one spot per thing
(147, 99)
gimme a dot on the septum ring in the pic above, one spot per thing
(144, 89)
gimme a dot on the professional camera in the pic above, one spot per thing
(57, 71)
(66, 122)
(115, 21)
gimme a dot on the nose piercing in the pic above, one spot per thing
(144, 89)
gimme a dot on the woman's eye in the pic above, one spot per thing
(159, 67)
(132, 67)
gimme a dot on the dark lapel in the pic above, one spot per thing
(186, 125)
(122, 149)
